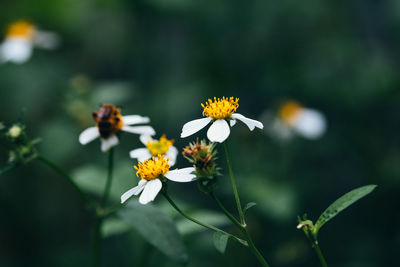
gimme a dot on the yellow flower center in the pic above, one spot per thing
(21, 29)
(220, 108)
(159, 147)
(152, 168)
(290, 111)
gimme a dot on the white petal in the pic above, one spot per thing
(310, 124)
(171, 154)
(148, 130)
(249, 122)
(150, 191)
(88, 135)
(134, 119)
(141, 154)
(46, 40)
(145, 138)
(134, 191)
(108, 143)
(232, 123)
(218, 131)
(181, 175)
(194, 126)
(16, 50)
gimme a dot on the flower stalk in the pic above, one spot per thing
(96, 241)
(213, 228)
(63, 173)
(234, 187)
(242, 224)
(243, 229)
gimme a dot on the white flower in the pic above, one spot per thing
(15, 131)
(218, 112)
(293, 119)
(20, 39)
(154, 148)
(109, 121)
(151, 171)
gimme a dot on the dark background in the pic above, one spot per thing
(162, 58)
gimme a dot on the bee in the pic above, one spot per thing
(108, 120)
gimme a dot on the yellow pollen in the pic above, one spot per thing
(290, 111)
(152, 168)
(159, 147)
(22, 29)
(220, 108)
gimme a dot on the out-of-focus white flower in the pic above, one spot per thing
(21, 37)
(292, 118)
(219, 112)
(151, 172)
(154, 148)
(109, 122)
(15, 131)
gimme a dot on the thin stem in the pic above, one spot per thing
(225, 211)
(254, 249)
(243, 229)
(201, 223)
(96, 245)
(96, 241)
(319, 254)
(7, 169)
(109, 177)
(233, 182)
(63, 173)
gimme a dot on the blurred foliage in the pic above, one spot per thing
(162, 58)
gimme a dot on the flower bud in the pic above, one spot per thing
(202, 155)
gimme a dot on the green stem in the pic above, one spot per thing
(201, 223)
(96, 241)
(63, 173)
(233, 182)
(319, 254)
(243, 229)
(109, 177)
(224, 210)
(7, 169)
(96, 245)
(242, 225)
(254, 249)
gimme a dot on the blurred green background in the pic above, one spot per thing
(162, 58)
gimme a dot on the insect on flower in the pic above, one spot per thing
(151, 172)
(21, 37)
(219, 112)
(110, 122)
(155, 147)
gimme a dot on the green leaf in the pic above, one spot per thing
(342, 203)
(220, 241)
(248, 206)
(156, 227)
